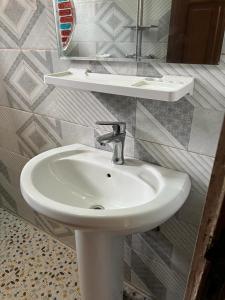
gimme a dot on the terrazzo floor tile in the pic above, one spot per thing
(35, 266)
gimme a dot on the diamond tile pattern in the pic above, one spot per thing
(24, 83)
(35, 117)
(10, 9)
(17, 19)
(112, 19)
(27, 83)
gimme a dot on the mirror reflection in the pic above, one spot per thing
(116, 29)
(141, 30)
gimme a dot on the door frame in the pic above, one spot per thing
(211, 228)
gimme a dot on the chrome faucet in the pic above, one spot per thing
(117, 138)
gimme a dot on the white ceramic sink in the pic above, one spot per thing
(67, 183)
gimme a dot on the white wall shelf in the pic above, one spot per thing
(167, 88)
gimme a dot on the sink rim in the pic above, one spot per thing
(169, 200)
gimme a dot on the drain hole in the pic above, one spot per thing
(100, 207)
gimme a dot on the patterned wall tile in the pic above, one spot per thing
(26, 24)
(9, 179)
(199, 167)
(192, 209)
(11, 198)
(15, 20)
(112, 18)
(205, 131)
(121, 107)
(86, 108)
(4, 171)
(39, 134)
(10, 121)
(102, 26)
(24, 80)
(7, 196)
(164, 123)
(80, 107)
(167, 253)
(183, 237)
(147, 277)
(29, 134)
(209, 89)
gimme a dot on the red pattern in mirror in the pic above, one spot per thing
(66, 16)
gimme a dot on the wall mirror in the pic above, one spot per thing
(179, 31)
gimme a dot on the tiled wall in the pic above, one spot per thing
(35, 117)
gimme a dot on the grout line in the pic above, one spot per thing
(28, 49)
(185, 150)
(136, 289)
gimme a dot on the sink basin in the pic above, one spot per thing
(67, 183)
(79, 185)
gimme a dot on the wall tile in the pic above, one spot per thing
(11, 166)
(73, 133)
(205, 132)
(10, 122)
(11, 198)
(22, 75)
(27, 24)
(164, 123)
(86, 108)
(183, 237)
(148, 277)
(209, 89)
(43, 133)
(199, 167)
(121, 107)
(155, 246)
(192, 209)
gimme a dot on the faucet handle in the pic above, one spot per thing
(118, 127)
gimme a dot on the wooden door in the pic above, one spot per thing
(207, 277)
(196, 31)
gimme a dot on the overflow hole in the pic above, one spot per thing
(100, 207)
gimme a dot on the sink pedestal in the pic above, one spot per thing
(100, 265)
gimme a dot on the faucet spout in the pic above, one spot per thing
(105, 139)
(117, 138)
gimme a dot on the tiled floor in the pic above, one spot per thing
(35, 266)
